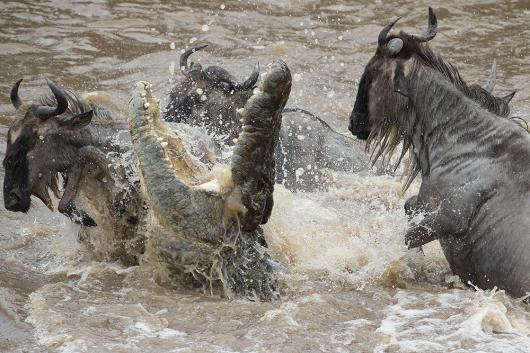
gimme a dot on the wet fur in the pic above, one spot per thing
(385, 135)
(475, 181)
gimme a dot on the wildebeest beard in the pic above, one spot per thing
(385, 136)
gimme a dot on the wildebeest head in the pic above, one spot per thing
(33, 157)
(384, 80)
(209, 97)
(385, 69)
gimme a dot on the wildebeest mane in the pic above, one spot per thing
(77, 105)
(488, 101)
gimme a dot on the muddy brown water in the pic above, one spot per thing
(351, 284)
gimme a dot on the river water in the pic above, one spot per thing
(350, 283)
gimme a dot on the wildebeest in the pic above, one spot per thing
(475, 183)
(309, 150)
(74, 137)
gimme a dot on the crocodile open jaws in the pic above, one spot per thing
(205, 226)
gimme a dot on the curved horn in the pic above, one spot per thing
(184, 58)
(381, 39)
(492, 79)
(251, 81)
(431, 29)
(15, 99)
(507, 98)
(45, 112)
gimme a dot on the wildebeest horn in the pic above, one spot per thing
(15, 99)
(507, 98)
(184, 58)
(492, 79)
(251, 81)
(45, 112)
(382, 35)
(431, 29)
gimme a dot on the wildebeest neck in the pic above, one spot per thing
(447, 122)
(495, 105)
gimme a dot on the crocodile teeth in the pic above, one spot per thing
(211, 187)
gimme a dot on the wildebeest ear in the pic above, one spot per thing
(78, 121)
(400, 83)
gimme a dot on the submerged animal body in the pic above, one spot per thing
(309, 151)
(475, 188)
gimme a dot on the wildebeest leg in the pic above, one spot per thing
(432, 227)
(89, 157)
(424, 204)
(411, 206)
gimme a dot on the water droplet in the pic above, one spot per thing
(205, 28)
(172, 45)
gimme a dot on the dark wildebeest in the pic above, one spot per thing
(475, 185)
(65, 134)
(309, 150)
